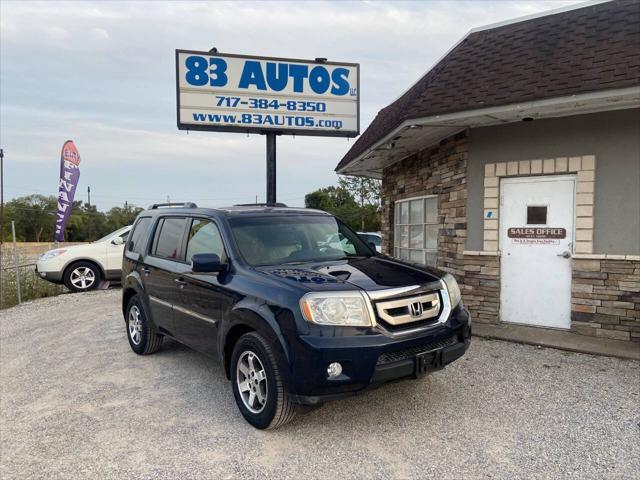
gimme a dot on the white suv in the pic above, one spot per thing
(83, 267)
(373, 239)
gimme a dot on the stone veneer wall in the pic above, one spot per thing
(481, 286)
(441, 171)
(605, 296)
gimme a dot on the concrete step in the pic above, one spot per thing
(559, 339)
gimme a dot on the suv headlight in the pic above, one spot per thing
(336, 308)
(453, 289)
(52, 254)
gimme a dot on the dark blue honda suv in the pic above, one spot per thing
(297, 307)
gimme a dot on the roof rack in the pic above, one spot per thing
(281, 205)
(176, 205)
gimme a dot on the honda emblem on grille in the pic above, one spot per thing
(415, 309)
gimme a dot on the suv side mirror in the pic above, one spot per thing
(372, 246)
(117, 241)
(207, 263)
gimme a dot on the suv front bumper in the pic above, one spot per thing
(370, 360)
(53, 276)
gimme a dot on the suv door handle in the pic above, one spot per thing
(565, 254)
(146, 270)
(181, 283)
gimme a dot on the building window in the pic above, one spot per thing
(416, 230)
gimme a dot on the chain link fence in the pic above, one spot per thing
(23, 283)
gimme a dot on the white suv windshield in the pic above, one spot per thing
(274, 240)
(120, 232)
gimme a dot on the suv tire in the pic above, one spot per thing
(142, 339)
(257, 384)
(82, 276)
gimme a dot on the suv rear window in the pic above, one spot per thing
(138, 234)
(168, 238)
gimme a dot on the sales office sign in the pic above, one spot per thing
(536, 236)
(237, 93)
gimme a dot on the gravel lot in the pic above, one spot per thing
(76, 402)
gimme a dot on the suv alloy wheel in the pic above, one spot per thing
(82, 277)
(257, 384)
(141, 337)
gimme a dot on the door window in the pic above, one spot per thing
(416, 230)
(204, 237)
(138, 235)
(168, 238)
(536, 215)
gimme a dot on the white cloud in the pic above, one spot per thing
(100, 33)
(56, 33)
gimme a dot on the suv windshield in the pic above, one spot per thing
(274, 240)
(120, 232)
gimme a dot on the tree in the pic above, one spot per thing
(329, 198)
(85, 224)
(367, 192)
(319, 200)
(118, 217)
(364, 190)
(35, 217)
(340, 202)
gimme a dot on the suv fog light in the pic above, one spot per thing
(334, 370)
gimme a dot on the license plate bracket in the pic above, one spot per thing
(427, 361)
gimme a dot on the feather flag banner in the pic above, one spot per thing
(69, 177)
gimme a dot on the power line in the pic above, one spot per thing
(19, 190)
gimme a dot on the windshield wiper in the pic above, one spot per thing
(322, 259)
(347, 257)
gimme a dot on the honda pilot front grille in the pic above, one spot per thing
(409, 312)
(407, 353)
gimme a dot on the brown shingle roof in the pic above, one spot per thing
(592, 48)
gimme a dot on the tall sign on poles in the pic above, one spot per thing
(69, 176)
(272, 96)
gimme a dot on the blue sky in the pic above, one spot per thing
(103, 74)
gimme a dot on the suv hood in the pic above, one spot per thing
(374, 273)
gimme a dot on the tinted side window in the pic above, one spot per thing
(138, 235)
(168, 238)
(204, 237)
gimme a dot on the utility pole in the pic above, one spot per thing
(1, 220)
(89, 196)
(1, 199)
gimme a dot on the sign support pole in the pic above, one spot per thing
(271, 168)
